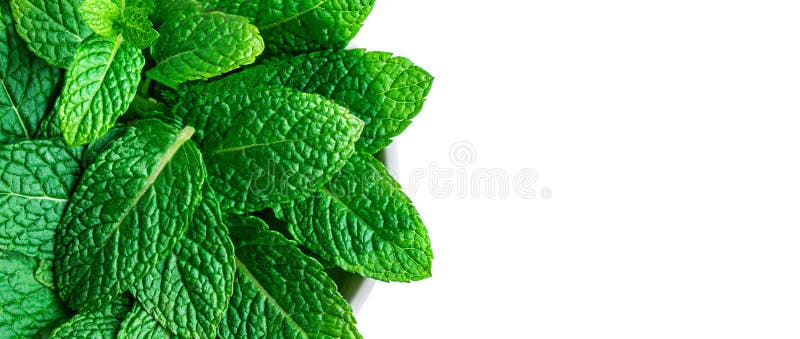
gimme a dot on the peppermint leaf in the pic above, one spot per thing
(138, 30)
(53, 29)
(102, 16)
(139, 324)
(128, 212)
(98, 89)
(189, 292)
(292, 27)
(203, 45)
(279, 292)
(385, 92)
(27, 307)
(36, 179)
(266, 146)
(364, 223)
(103, 323)
(27, 84)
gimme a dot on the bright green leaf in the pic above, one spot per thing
(140, 324)
(102, 16)
(98, 89)
(36, 178)
(292, 27)
(364, 223)
(27, 307)
(53, 29)
(128, 212)
(203, 45)
(27, 84)
(138, 30)
(279, 292)
(103, 323)
(189, 292)
(385, 92)
(264, 146)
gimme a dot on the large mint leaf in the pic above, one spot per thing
(203, 45)
(189, 292)
(280, 292)
(364, 223)
(27, 306)
(384, 91)
(140, 324)
(53, 29)
(99, 87)
(128, 212)
(27, 83)
(291, 27)
(103, 323)
(266, 146)
(36, 179)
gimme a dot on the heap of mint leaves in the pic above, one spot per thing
(142, 142)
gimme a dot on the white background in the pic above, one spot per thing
(668, 134)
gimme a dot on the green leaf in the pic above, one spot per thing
(99, 87)
(139, 324)
(292, 27)
(265, 146)
(27, 84)
(364, 223)
(189, 292)
(138, 30)
(103, 323)
(53, 29)
(36, 178)
(27, 307)
(102, 16)
(384, 91)
(128, 212)
(203, 45)
(280, 292)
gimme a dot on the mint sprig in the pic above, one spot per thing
(131, 182)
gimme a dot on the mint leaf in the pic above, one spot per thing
(292, 27)
(203, 45)
(53, 29)
(36, 178)
(189, 292)
(102, 16)
(139, 324)
(99, 87)
(280, 292)
(385, 92)
(364, 223)
(103, 323)
(138, 30)
(27, 84)
(129, 210)
(26, 306)
(266, 146)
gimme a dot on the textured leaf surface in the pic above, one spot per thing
(140, 324)
(364, 223)
(102, 16)
(99, 87)
(129, 210)
(189, 292)
(138, 30)
(36, 179)
(27, 83)
(280, 292)
(26, 305)
(203, 45)
(265, 146)
(384, 91)
(291, 27)
(53, 29)
(103, 323)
